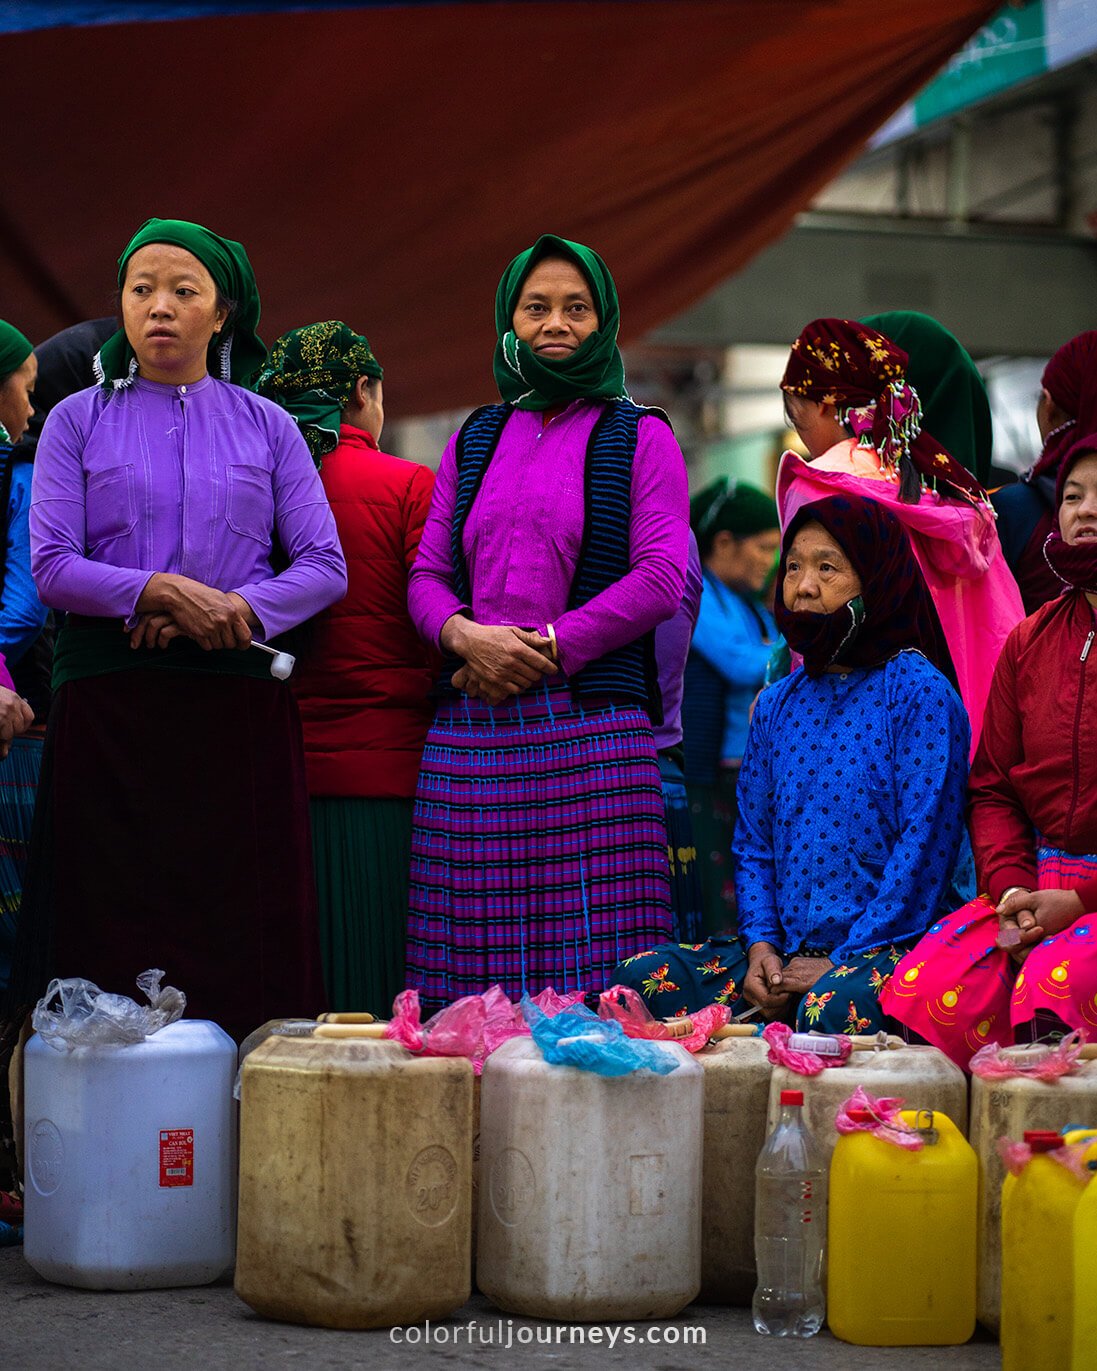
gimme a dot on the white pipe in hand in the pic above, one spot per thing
(283, 663)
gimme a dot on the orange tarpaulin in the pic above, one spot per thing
(383, 165)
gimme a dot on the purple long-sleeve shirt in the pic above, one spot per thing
(672, 640)
(186, 479)
(523, 534)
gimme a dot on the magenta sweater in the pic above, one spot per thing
(522, 538)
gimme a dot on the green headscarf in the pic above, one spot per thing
(594, 371)
(733, 507)
(312, 373)
(955, 408)
(14, 349)
(236, 353)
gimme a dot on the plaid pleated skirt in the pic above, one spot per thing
(539, 849)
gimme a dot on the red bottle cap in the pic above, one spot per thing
(861, 1116)
(1043, 1139)
(792, 1097)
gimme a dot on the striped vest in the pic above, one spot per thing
(628, 672)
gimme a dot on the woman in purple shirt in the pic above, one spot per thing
(555, 544)
(177, 517)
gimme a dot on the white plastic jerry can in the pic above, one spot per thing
(131, 1160)
(590, 1187)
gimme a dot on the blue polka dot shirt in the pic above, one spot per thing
(851, 808)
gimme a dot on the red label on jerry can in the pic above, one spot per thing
(176, 1156)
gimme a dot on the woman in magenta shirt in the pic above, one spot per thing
(556, 542)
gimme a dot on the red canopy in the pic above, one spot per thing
(383, 165)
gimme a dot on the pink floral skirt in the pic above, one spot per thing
(960, 991)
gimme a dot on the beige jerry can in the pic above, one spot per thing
(590, 1188)
(355, 1181)
(737, 1073)
(922, 1076)
(1006, 1109)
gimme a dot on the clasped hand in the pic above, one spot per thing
(499, 659)
(174, 606)
(16, 716)
(1034, 915)
(771, 984)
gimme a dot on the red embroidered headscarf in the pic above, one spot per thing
(844, 363)
(1070, 378)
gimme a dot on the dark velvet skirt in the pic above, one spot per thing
(172, 831)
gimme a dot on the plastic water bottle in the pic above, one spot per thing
(790, 1225)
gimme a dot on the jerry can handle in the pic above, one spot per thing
(349, 1030)
(929, 1135)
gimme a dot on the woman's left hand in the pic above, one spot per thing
(801, 973)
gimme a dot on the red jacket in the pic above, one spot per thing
(1036, 767)
(365, 677)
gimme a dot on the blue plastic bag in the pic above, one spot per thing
(576, 1037)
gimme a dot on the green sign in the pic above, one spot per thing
(1011, 48)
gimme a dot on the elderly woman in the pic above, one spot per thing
(850, 796)
(738, 538)
(555, 544)
(1019, 963)
(847, 396)
(1065, 412)
(173, 829)
(364, 679)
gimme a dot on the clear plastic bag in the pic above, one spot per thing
(576, 1037)
(85, 1016)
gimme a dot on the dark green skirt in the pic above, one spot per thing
(362, 851)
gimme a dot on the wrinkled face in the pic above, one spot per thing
(817, 424)
(170, 312)
(819, 577)
(16, 406)
(1078, 511)
(555, 312)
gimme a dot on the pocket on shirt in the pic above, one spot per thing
(251, 503)
(110, 505)
(875, 827)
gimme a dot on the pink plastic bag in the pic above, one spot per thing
(472, 1027)
(803, 1063)
(1017, 1155)
(885, 1122)
(989, 1063)
(625, 1006)
(454, 1031)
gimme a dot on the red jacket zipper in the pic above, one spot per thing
(1077, 730)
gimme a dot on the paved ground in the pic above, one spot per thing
(50, 1326)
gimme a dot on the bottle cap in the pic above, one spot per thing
(792, 1097)
(1043, 1139)
(861, 1116)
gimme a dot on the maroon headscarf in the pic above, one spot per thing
(892, 612)
(1070, 378)
(847, 364)
(1075, 564)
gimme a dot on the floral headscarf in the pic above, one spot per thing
(312, 373)
(863, 374)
